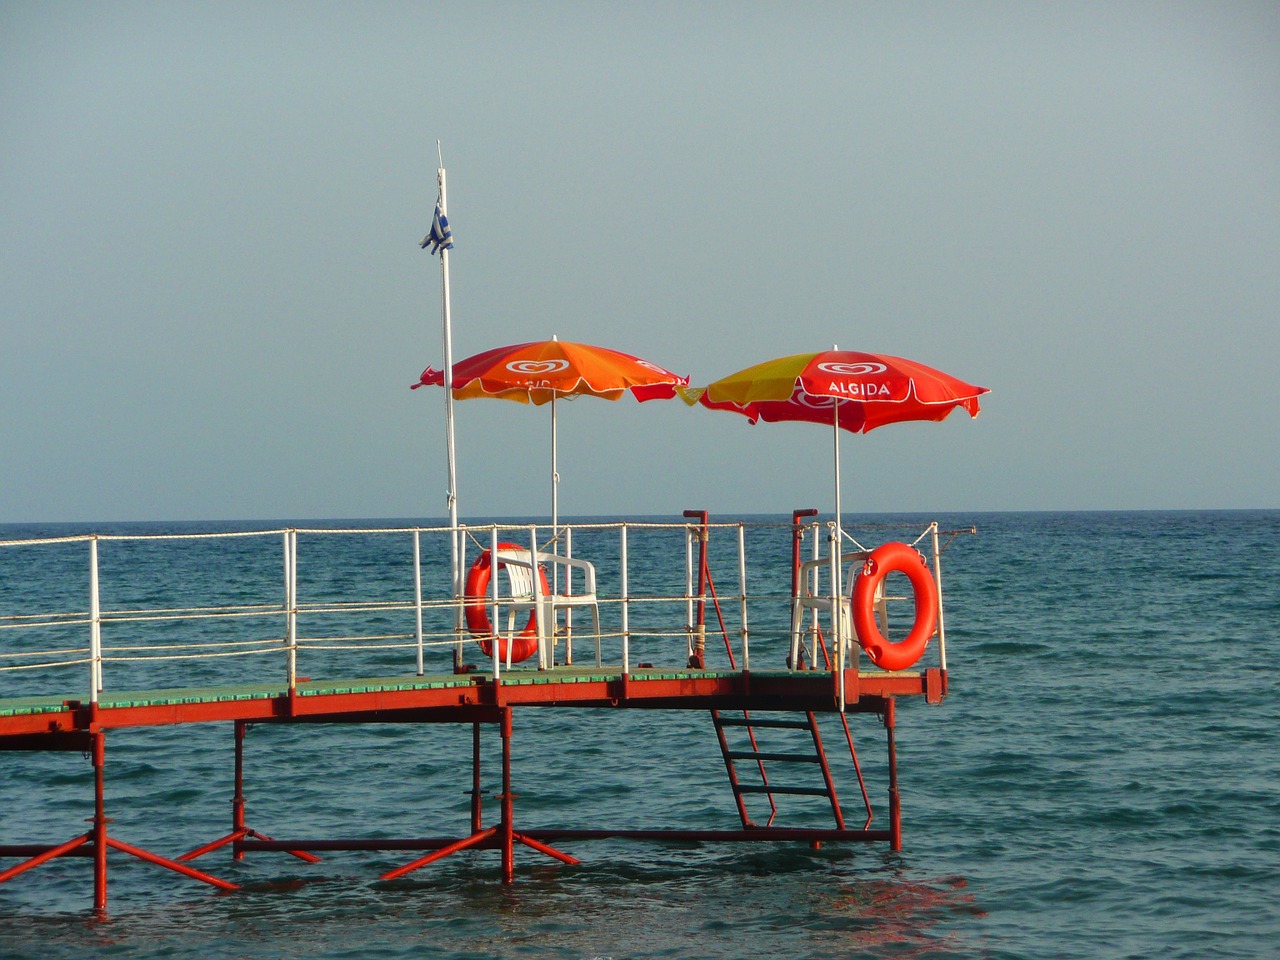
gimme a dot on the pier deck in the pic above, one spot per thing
(437, 697)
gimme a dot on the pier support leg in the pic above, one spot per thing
(477, 800)
(239, 831)
(508, 804)
(100, 845)
(102, 842)
(509, 835)
(237, 797)
(895, 799)
(504, 835)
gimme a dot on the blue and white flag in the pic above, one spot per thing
(440, 237)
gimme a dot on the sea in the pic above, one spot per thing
(1102, 780)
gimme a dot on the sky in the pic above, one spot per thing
(213, 302)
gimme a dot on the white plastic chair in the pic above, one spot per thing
(816, 599)
(527, 594)
(521, 592)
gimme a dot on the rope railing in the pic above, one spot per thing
(207, 655)
(45, 665)
(349, 600)
(46, 620)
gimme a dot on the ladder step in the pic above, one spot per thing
(774, 724)
(747, 752)
(798, 791)
(780, 757)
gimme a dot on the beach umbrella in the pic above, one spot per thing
(844, 389)
(544, 371)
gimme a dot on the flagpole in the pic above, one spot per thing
(452, 494)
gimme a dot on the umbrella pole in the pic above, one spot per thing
(835, 433)
(837, 552)
(555, 475)
(555, 504)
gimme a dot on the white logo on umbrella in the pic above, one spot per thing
(852, 369)
(663, 371)
(535, 368)
(810, 401)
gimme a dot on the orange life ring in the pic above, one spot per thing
(525, 644)
(884, 560)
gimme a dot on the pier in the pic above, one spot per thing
(375, 626)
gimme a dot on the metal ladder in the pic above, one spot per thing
(797, 752)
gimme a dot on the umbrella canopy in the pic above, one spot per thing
(542, 371)
(846, 388)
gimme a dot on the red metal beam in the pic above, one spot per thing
(492, 841)
(480, 700)
(81, 727)
(99, 842)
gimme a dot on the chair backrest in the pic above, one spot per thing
(519, 575)
(565, 568)
(815, 573)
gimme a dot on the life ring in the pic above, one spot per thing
(884, 560)
(523, 645)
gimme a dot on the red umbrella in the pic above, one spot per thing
(845, 389)
(849, 389)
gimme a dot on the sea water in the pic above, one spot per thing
(1103, 780)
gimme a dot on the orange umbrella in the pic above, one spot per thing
(544, 370)
(541, 371)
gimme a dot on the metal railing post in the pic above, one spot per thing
(291, 606)
(742, 579)
(626, 604)
(568, 611)
(690, 624)
(417, 595)
(95, 625)
(459, 611)
(544, 632)
(837, 610)
(493, 584)
(937, 582)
